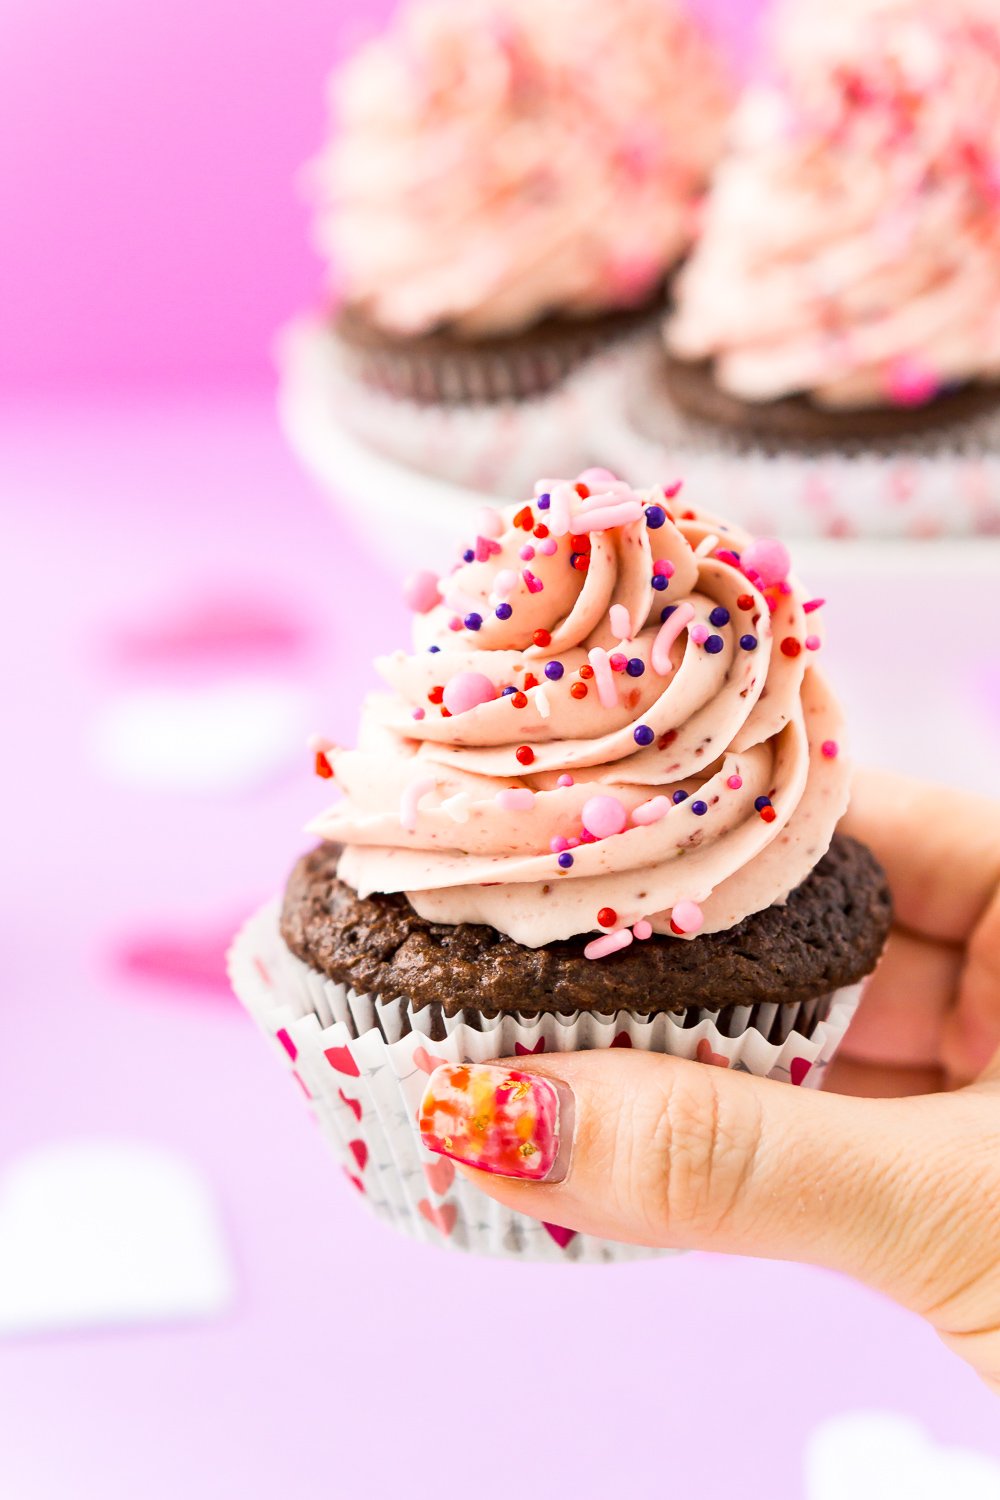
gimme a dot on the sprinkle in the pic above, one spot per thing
(734, 782)
(663, 568)
(699, 634)
(603, 679)
(565, 860)
(432, 649)
(607, 516)
(830, 749)
(515, 799)
(410, 800)
(699, 808)
(719, 616)
(544, 501)
(587, 671)
(557, 845)
(635, 666)
(436, 694)
(666, 612)
(667, 635)
(524, 520)
(504, 583)
(643, 735)
(524, 755)
(813, 642)
(769, 558)
(686, 918)
(468, 555)
(714, 644)
(655, 517)
(421, 592)
(418, 713)
(554, 670)
(790, 646)
(508, 692)
(607, 917)
(760, 802)
(504, 611)
(746, 601)
(519, 700)
(748, 642)
(680, 795)
(578, 690)
(726, 555)
(485, 548)
(454, 623)
(565, 780)
(642, 929)
(526, 554)
(621, 625)
(612, 942)
(535, 585)
(473, 621)
(768, 814)
(672, 490)
(580, 543)
(618, 661)
(659, 582)
(541, 638)
(541, 531)
(812, 604)
(604, 816)
(549, 547)
(322, 765)
(467, 690)
(651, 811)
(582, 489)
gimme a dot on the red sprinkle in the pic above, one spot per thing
(445, 713)
(541, 530)
(580, 543)
(524, 518)
(519, 700)
(530, 681)
(607, 916)
(581, 563)
(323, 766)
(542, 638)
(768, 813)
(578, 690)
(581, 490)
(436, 695)
(586, 670)
(745, 601)
(525, 755)
(790, 646)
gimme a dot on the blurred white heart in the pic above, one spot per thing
(216, 738)
(107, 1233)
(874, 1455)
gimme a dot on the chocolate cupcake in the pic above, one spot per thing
(596, 807)
(506, 189)
(844, 294)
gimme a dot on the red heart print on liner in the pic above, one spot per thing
(356, 1180)
(443, 1218)
(530, 1051)
(301, 1083)
(426, 1061)
(287, 1043)
(798, 1068)
(440, 1175)
(353, 1104)
(561, 1236)
(359, 1151)
(622, 1040)
(263, 971)
(706, 1055)
(341, 1060)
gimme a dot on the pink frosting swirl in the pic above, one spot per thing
(500, 159)
(851, 240)
(636, 728)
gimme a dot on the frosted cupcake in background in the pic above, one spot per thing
(596, 808)
(507, 187)
(845, 290)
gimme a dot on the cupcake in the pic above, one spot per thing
(506, 190)
(596, 807)
(844, 294)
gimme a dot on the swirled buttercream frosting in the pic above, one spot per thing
(611, 722)
(496, 161)
(850, 248)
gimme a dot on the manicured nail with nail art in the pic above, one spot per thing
(499, 1120)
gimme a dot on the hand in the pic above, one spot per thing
(901, 1190)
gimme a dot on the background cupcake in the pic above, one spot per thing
(582, 816)
(507, 187)
(845, 290)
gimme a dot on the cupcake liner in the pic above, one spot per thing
(945, 482)
(362, 1064)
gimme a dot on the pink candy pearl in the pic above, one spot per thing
(420, 591)
(467, 690)
(604, 816)
(642, 929)
(910, 382)
(565, 780)
(768, 558)
(688, 916)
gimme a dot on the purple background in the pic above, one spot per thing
(152, 242)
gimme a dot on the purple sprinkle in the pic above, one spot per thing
(748, 642)
(507, 692)
(643, 735)
(635, 666)
(719, 616)
(659, 582)
(680, 795)
(565, 860)
(699, 808)
(666, 612)
(468, 555)
(714, 644)
(504, 611)
(760, 802)
(655, 517)
(554, 670)
(434, 648)
(543, 502)
(473, 621)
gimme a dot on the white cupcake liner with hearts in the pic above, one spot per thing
(943, 483)
(362, 1064)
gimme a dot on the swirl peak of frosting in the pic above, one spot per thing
(498, 160)
(851, 239)
(611, 722)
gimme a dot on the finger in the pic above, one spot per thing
(940, 849)
(846, 1075)
(672, 1153)
(972, 1033)
(905, 1004)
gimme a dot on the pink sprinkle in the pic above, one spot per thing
(418, 713)
(572, 843)
(565, 780)
(491, 522)
(830, 749)
(515, 799)
(813, 643)
(667, 635)
(410, 800)
(604, 816)
(420, 592)
(485, 548)
(663, 568)
(734, 782)
(611, 942)
(642, 929)
(724, 555)
(467, 690)
(651, 811)
(535, 585)
(504, 583)
(621, 625)
(549, 547)
(455, 623)
(699, 634)
(812, 604)
(769, 558)
(618, 661)
(526, 553)
(558, 845)
(672, 490)
(586, 837)
(687, 917)
(608, 516)
(603, 678)
(909, 381)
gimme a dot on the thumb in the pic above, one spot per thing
(650, 1149)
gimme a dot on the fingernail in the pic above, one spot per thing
(500, 1120)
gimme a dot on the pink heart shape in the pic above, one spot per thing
(442, 1218)
(359, 1151)
(561, 1236)
(356, 1180)
(530, 1051)
(798, 1068)
(706, 1055)
(440, 1175)
(353, 1104)
(341, 1060)
(426, 1061)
